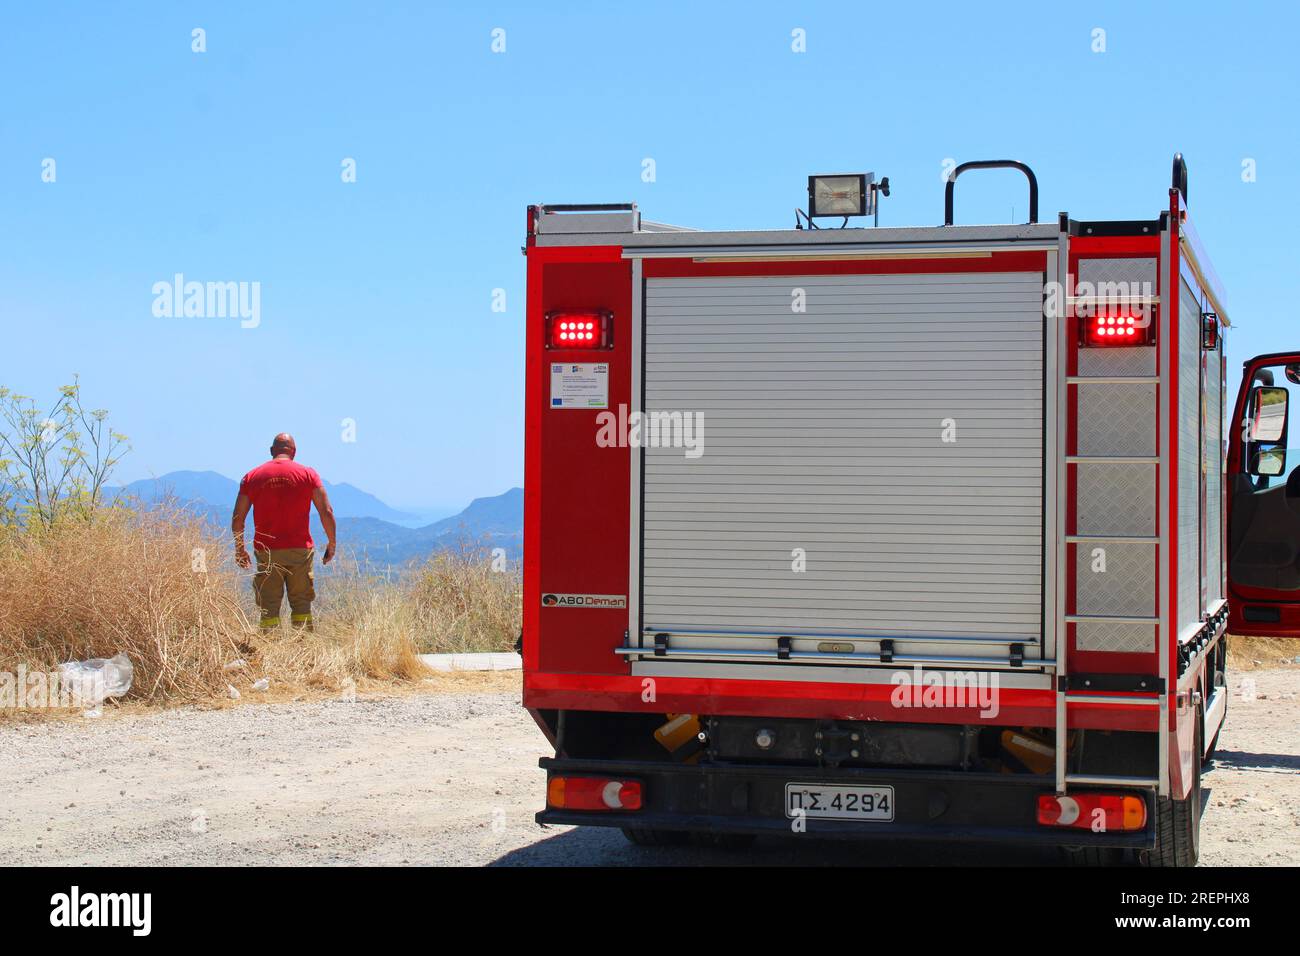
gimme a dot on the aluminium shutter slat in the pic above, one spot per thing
(822, 432)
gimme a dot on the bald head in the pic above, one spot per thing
(283, 446)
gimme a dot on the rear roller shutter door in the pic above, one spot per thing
(890, 436)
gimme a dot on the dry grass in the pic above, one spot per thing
(462, 602)
(123, 583)
(159, 586)
(1247, 653)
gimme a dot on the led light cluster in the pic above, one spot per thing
(586, 329)
(577, 331)
(1109, 325)
(1106, 330)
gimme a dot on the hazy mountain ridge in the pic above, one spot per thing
(365, 525)
(214, 488)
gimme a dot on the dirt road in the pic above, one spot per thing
(452, 778)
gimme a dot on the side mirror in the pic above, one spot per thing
(1267, 414)
(1270, 463)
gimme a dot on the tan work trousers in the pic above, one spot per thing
(280, 570)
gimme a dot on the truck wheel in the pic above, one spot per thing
(1178, 825)
(643, 837)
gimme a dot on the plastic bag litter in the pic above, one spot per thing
(261, 684)
(235, 665)
(233, 691)
(91, 682)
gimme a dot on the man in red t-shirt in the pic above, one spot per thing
(281, 493)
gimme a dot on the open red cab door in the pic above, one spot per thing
(1263, 490)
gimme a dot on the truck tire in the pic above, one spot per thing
(643, 837)
(1178, 824)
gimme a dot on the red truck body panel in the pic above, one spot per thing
(579, 513)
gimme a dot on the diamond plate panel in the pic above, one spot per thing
(1112, 361)
(1136, 272)
(1117, 419)
(1214, 476)
(1116, 638)
(1140, 275)
(1126, 588)
(1189, 458)
(1116, 499)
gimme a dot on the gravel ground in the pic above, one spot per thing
(451, 778)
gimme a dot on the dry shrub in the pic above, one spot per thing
(363, 632)
(162, 587)
(463, 601)
(1244, 651)
(124, 582)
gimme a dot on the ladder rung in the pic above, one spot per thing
(1105, 780)
(1112, 459)
(1112, 379)
(1119, 538)
(1085, 698)
(1109, 619)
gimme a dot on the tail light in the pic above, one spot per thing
(593, 793)
(1117, 330)
(1102, 812)
(579, 330)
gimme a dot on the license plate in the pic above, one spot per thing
(839, 803)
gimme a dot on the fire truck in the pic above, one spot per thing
(870, 532)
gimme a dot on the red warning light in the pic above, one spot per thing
(579, 330)
(1117, 330)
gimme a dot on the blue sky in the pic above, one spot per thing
(376, 295)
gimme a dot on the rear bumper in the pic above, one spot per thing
(936, 805)
(620, 693)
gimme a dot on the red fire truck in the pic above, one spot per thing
(893, 533)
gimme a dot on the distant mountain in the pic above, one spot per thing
(352, 502)
(207, 487)
(496, 522)
(419, 517)
(502, 514)
(365, 524)
(211, 488)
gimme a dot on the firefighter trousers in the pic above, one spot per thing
(280, 570)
